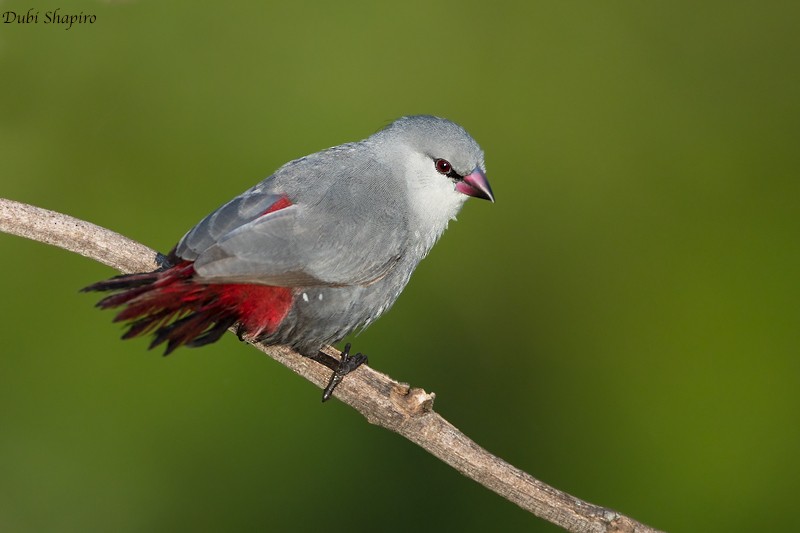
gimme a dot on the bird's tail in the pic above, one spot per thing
(182, 311)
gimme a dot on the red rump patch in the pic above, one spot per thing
(182, 311)
(261, 308)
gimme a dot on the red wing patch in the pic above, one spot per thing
(283, 203)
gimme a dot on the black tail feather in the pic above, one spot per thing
(123, 281)
(214, 333)
(181, 311)
(146, 324)
(197, 329)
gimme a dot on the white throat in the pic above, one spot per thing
(433, 200)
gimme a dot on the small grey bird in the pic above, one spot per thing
(323, 246)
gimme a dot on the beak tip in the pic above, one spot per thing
(476, 185)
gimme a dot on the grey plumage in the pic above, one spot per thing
(339, 232)
(362, 217)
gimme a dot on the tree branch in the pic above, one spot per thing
(382, 400)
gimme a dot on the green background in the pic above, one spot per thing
(622, 323)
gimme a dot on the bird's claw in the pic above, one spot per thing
(347, 364)
(241, 332)
(163, 262)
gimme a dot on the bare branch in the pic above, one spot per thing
(75, 235)
(382, 400)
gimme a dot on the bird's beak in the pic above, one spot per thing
(476, 185)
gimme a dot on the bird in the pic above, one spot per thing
(317, 250)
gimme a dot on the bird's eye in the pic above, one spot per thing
(443, 166)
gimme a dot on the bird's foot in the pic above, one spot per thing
(347, 364)
(163, 262)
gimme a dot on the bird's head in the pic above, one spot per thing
(441, 164)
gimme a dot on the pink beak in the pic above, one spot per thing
(476, 185)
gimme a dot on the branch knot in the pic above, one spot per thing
(412, 401)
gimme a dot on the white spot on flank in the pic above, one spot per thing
(305, 297)
(319, 297)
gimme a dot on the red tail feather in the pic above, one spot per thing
(182, 311)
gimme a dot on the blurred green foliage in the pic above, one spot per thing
(622, 323)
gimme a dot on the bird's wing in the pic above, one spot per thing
(334, 218)
(293, 246)
(243, 209)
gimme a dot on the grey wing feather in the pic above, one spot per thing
(286, 248)
(239, 211)
(260, 251)
(346, 226)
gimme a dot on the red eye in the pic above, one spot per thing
(443, 166)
